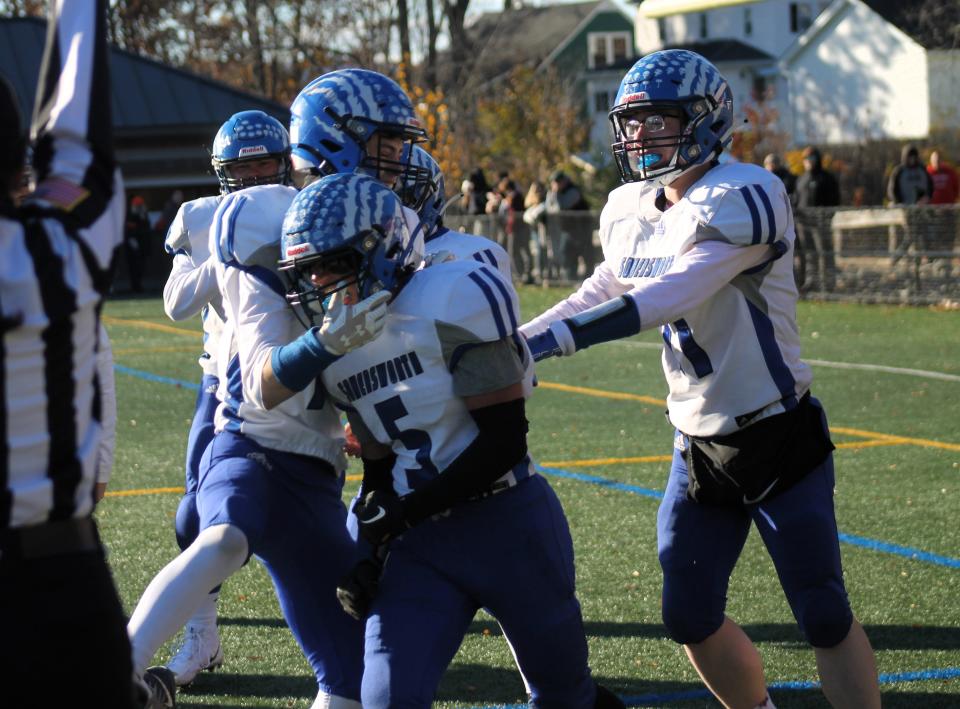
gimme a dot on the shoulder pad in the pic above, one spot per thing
(633, 202)
(474, 297)
(248, 225)
(741, 204)
(472, 247)
(190, 229)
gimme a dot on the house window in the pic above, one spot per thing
(747, 22)
(619, 49)
(801, 16)
(598, 51)
(601, 102)
(606, 48)
(662, 29)
(703, 25)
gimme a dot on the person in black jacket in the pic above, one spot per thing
(816, 187)
(909, 182)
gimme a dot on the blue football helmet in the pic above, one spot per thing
(350, 225)
(421, 188)
(250, 135)
(677, 83)
(334, 117)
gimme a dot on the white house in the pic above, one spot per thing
(836, 71)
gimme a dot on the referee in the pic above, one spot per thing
(64, 638)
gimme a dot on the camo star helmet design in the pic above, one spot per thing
(250, 135)
(349, 225)
(334, 117)
(670, 83)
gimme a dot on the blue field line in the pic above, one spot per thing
(603, 482)
(798, 686)
(909, 552)
(150, 377)
(873, 544)
(865, 542)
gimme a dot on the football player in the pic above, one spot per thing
(251, 148)
(437, 401)
(421, 187)
(702, 250)
(274, 471)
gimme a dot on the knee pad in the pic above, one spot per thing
(825, 617)
(690, 620)
(228, 543)
(187, 521)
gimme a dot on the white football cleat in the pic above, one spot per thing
(200, 650)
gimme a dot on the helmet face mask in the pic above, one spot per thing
(338, 121)
(671, 83)
(421, 187)
(344, 231)
(250, 136)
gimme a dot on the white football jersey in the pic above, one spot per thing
(192, 285)
(462, 245)
(246, 243)
(733, 357)
(402, 384)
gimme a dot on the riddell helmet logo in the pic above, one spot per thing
(639, 96)
(252, 150)
(299, 250)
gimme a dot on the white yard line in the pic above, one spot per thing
(942, 376)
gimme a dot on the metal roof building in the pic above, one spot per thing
(164, 118)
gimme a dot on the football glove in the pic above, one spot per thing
(555, 341)
(347, 327)
(380, 517)
(357, 590)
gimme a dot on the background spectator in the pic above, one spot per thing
(474, 191)
(534, 211)
(909, 183)
(774, 164)
(169, 211)
(136, 241)
(944, 178)
(570, 238)
(816, 187)
(506, 201)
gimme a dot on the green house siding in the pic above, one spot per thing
(572, 61)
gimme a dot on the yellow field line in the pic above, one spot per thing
(856, 445)
(887, 438)
(601, 393)
(145, 491)
(178, 490)
(617, 395)
(897, 440)
(595, 462)
(146, 324)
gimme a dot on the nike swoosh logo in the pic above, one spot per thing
(761, 495)
(381, 513)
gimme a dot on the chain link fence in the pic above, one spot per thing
(905, 255)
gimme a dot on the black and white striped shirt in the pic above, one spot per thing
(55, 253)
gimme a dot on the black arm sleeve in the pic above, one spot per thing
(377, 473)
(500, 444)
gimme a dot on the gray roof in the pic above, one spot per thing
(148, 96)
(525, 35)
(725, 50)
